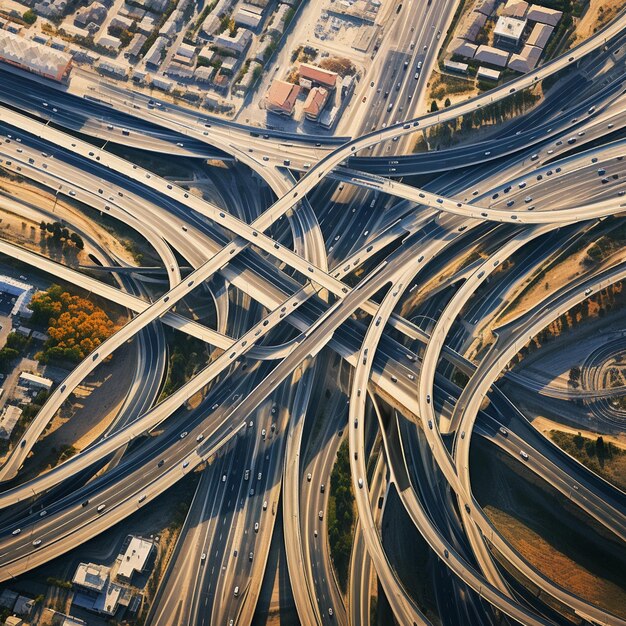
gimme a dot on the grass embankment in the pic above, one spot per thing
(549, 531)
(341, 515)
(603, 458)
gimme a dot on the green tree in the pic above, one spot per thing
(447, 103)
(29, 16)
(434, 106)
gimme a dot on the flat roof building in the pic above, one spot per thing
(8, 418)
(34, 57)
(135, 558)
(33, 381)
(508, 31)
(487, 74)
(455, 66)
(23, 293)
(91, 577)
(281, 97)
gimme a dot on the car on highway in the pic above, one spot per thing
(251, 556)
(503, 431)
(203, 557)
(183, 434)
(321, 515)
(524, 455)
(256, 527)
(330, 611)
(37, 542)
(360, 481)
(101, 508)
(265, 505)
(308, 477)
(17, 531)
(43, 513)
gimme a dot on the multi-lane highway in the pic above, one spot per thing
(337, 283)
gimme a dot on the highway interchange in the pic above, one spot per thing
(320, 287)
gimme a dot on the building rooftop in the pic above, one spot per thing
(91, 576)
(515, 8)
(509, 28)
(33, 56)
(471, 25)
(9, 417)
(281, 96)
(485, 72)
(135, 558)
(492, 56)
(33, 379)
(462, 48)
(315, 102)
(544, 15)
(526, 60)
(318, 75)
(539, 35)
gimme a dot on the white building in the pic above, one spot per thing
(508, 31)
(135, 558)
(32, 381)
(8, 418)
(23, 293)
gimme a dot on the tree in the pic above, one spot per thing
(574, 374)
(75, 325)
(29, 16)
(447, 103)
(434, 106)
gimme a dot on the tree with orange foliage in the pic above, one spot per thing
(75, 325)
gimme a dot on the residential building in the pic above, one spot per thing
(526, 60)
(515, 8)
(317, 76)
(508, 32)
(544, 15)
(281, 97)
(491, 56)
(315, 101)
(470, 27)
(247, 18)
(108, 41)
(34, 57)
(463, 48)
(93, 13)
(118, 70)
(119, 21)
(539, 35)
(485, 73)
(238, 44)
(455, 66)
(485, 7)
